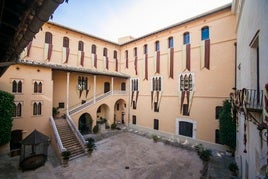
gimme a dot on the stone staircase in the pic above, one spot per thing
(68, 139)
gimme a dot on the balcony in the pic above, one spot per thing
(254, 100)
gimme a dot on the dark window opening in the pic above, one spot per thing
(218, 111)
(185, 110)
(186, 129)
(134, 120)
(61, 105)
(156, 124)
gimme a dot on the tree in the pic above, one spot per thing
(227, 126)
(6, 111)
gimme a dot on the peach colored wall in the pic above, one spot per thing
(28, 74)
(211, 87)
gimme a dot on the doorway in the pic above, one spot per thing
(106, 87)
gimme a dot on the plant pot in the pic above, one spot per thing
(65, 162)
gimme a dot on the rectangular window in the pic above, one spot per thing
(205, 33)
(145, 49)
(218, 111)
(126, 54)
(61, 105)
(156, 109)
(134, 120)
(170, 42)
(157, 46)
(185, 110)
(186, 38)
(134, 105)
(217, 136)
(156, 124)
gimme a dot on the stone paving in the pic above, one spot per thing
(124, 155)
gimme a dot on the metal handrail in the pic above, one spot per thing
(57, 136)
(89, 102)
(254, 99)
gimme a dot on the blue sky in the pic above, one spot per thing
(111, 19)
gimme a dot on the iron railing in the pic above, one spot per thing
(254, 99)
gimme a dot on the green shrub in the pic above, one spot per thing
(113, 126)
(227, 126)
(91, 144)
(203, 153)
(6, 112)
(95, 129)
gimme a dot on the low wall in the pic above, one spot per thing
(183, 140)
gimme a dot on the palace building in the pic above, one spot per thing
(173, 80)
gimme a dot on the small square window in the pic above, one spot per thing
(61, 105)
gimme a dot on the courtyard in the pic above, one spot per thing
(125, 155)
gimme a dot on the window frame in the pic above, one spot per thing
(205, 33)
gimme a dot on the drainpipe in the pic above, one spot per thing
(67, 92)
(94, 89)
(235, 44)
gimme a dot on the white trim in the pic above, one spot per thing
(186, 120)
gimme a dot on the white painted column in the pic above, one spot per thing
(112, 85)
(94, 89)
(67, 91)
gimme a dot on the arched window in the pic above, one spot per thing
(186, 38)
(170, 42)
(35, 87)
(19, 87)
(66, 42)
(40, 87)
(14, 86)
(157, 46)
(35, 108)
(81, 46)
(93, 49)
(18, 110)
(14, 110)
(39, 108)
(205, 33)
(48, 38)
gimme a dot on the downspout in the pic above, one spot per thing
(235, 45)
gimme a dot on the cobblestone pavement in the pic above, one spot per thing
(124, 155)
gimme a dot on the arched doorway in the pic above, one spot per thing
(85, 123)
(120, 111)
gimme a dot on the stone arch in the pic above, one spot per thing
(103, 111)
(85, 123)
(120, 111)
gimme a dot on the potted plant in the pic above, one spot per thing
(90, 146)
(233, 168)
(65, 157)
(155, 138)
